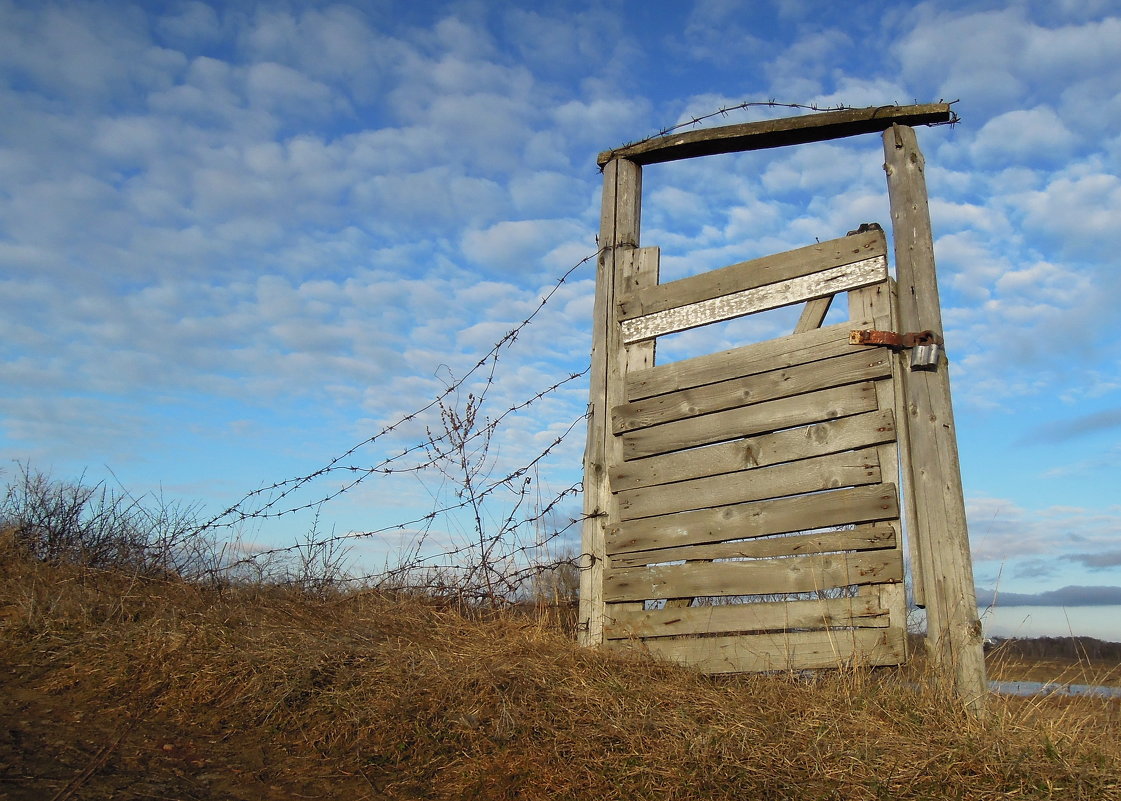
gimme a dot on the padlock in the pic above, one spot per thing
(926, 356)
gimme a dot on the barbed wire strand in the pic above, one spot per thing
(451, 559)
(288, 486)
(724, 111)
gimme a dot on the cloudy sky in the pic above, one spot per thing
(237, 239)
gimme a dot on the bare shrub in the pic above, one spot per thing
(96, 526)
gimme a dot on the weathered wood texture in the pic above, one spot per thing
(813, 314)
(853, 367)
(777, 133)
(795, 650)
(791, 574)
(789, 445)
(934, 475)
(753, 274)
(765, 476)
(841, 507)
(878, 304)
(861, 611)
(619, 231)
(849, 469)
(758, 418)
(858, 538)
(716, 309)
(788, 351)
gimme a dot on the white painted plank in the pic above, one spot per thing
(771, 269)
(750, 301)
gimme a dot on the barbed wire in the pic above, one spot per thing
(724, 111)
(491, 488)
(469, 558)
(235, 513)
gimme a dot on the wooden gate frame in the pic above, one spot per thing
(931, 478)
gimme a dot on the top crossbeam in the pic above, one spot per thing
(778, 133)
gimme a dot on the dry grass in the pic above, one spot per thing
(1055, 670)
(278, 695)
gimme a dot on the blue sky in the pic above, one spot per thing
(237, 239)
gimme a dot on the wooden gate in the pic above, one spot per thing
(766, 473)
(742, 508)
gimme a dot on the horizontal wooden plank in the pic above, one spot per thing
(847, 469)
(795, 650)
(808, 573)
(722, 618)
(764, 134)
(760, 418)
(840, 507)
(752, 274)
(759, 357)
(862, 364)
(792, 444)
(870, 537)
(749, 301)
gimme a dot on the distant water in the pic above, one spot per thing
(1053, 688)
(1102, 622)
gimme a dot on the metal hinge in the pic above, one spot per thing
(926, 347)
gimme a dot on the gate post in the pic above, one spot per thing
(618, 238)
(933, 476)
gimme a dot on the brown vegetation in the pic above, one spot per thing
(115, 686)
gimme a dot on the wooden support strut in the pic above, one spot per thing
(619, 230)
(934, 476)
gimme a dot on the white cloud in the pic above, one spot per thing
(1038, 135)
(281, 89)
(308, 218)
(1080, 210)
(520, 245)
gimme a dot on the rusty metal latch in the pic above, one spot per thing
(926, 347)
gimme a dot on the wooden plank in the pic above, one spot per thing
(750, 301)
(820, 439)
(813, 315)
(619, 230)
(746, 360)
(819, 127)
(862, 364)
(953, 628)
(639, 268)
(796, 650)
(760, 418)
(791, 574)
(839, 507)
(872, 537)
(754, 274)
(724, 618)
(878, 303)
(849, 469)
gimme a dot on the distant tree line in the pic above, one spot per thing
(1056, 647)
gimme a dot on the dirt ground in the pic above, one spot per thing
(68, 745)
(65, 746)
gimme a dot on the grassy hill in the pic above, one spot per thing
(115, 686)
